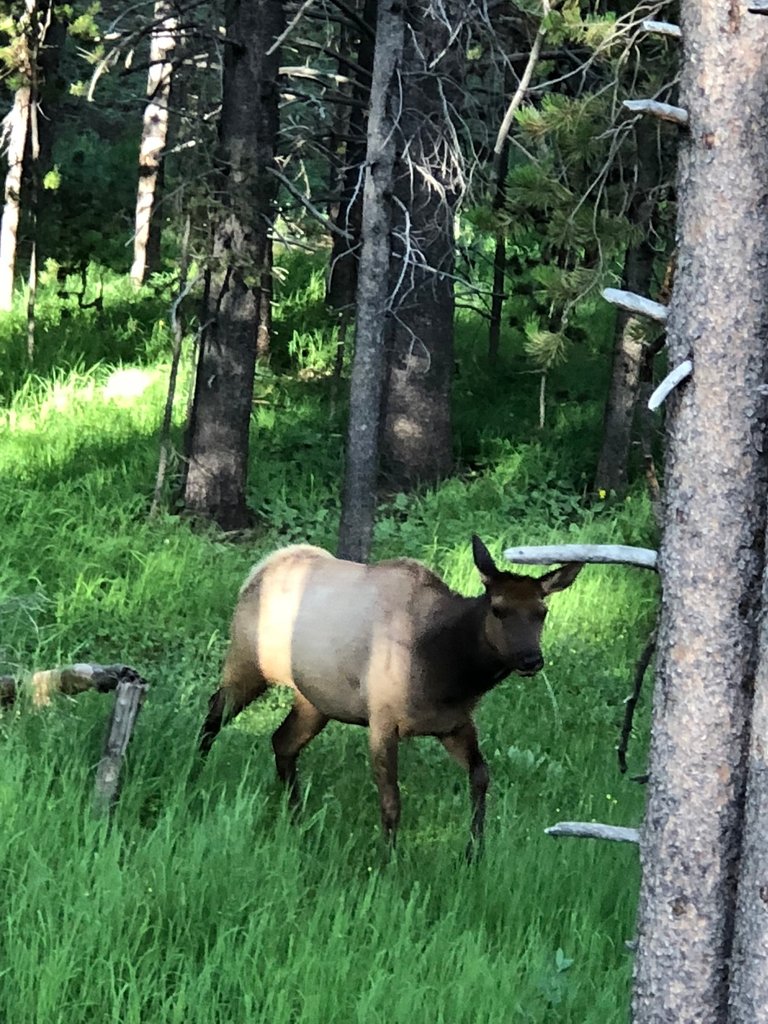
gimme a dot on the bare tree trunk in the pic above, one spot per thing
(369, 365)
(16, 127)
(154, 135)
(712, 556)
(749, 959)
(46, 34)
(624, 387)
(342, 282)
(417, 441)
(218, 438)
(499, 254)
(264, 330)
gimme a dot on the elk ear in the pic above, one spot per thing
(560, 578)
(483, 561)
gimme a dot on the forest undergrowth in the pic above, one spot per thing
(203, 902)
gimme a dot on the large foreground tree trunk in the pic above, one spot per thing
(369, 364)
(154, 135)
(245, 193)
(713, 549)
(417, 443)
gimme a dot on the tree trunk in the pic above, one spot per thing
(417, 442)
(46, 37)
(17, 124)
(154, 135)
(711, 558)
(499, 254)
(264, 330)
(342, 281)
(624, 387)
(245, 193)
(749, 959)
(369, 364)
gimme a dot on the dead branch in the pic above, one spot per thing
(670, 382)
(664, 111)
(607, 554)
(663, 28)
(636, 304)
(594, 830)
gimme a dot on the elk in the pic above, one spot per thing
(389, 646)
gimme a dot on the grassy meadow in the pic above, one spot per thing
(203, 903)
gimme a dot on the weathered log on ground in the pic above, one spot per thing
(131, 691)
(77, 678)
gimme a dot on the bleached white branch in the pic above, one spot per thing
(608, 554)
(636, 304)
(594, 830)
(664, 111)
(663, 28)
(673, 378)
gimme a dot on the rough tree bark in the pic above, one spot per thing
(417, 440)
(244, 198)
(369, 364)
(154, 134)
(712, 555)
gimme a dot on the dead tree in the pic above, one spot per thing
(154, 134)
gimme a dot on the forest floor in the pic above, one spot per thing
(203, 902)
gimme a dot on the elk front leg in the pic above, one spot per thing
(463, 747)
(383, 744)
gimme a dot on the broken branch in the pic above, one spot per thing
(621, 554)
(636, 304)
(594, 830)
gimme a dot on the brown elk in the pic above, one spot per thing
(389, 646)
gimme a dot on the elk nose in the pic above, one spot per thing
(531, 662)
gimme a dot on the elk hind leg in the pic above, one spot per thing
(384, 748)
(303, 723)
(240, 685)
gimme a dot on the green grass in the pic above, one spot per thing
(202, 901)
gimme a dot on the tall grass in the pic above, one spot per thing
(203, 901)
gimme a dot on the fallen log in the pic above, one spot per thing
(131, 691)
(73, 679)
